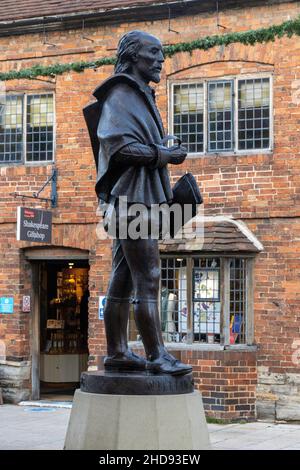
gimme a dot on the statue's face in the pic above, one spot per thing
(149, 59)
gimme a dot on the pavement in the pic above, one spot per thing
(255, 436)
(44, 427)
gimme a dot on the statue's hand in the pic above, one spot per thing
(174, 155)
(178, 154)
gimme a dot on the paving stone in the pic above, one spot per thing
(21, 429)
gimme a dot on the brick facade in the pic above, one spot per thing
(262, 189)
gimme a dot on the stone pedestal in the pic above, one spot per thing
(169, 421)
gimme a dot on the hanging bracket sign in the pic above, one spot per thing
(34, 225)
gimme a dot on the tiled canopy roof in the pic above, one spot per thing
(12, 10)
(214, 234)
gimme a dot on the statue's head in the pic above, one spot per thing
(140, 54)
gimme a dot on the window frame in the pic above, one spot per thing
(24, 160)
(224, 292)
(207, 143)
(206, 299)
(20, 162)
(235, 79)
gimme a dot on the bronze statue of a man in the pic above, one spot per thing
(132, 161)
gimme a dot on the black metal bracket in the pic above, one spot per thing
(45, 40)
(83, 33)
(218, 22)
(52, 199)
(170, 29)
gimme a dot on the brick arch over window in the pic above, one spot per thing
(216, 68)
(260, 54)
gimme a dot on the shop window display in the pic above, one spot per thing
(192, 300)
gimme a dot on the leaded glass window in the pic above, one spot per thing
(218, 116)
(254, 114)
(174, 299)
(26, 128)
(193, 305)
(11, 130)
(237, 301)
(188, 115)
(206, 300)
(39, 128)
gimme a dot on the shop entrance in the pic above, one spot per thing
(59, 332)
(63, 326)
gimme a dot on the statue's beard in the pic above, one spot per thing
(155, 77)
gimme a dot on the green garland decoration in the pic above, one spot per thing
(56, 69)
(262, 35)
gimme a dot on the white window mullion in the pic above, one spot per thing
(271, 117)
(205, 117)
(190, 310)
(24, 128)
(54, 129)
(171, 110)
(236, 115)
(249, 301)
(225, 301)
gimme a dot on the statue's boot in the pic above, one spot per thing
(159, 361)
(119, 356)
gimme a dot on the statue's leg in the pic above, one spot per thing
(116, 315)
(143, 260)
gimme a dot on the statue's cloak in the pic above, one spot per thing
(123, 114)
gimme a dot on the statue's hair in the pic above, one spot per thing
(128, 46)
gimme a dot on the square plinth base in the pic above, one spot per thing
(137, 422)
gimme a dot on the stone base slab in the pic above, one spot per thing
(137, 422)
(135, 383)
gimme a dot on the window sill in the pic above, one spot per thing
(27, 164)
(41, 163)
(200, 347)
(240, 153)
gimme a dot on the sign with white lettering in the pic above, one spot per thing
(6, 305)
(34, 225)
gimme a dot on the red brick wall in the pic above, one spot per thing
(277, 295)
(227, 380)
(261, 189)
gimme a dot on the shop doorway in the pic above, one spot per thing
(59, 327)
(64, 298)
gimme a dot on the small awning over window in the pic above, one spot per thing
(216, 234)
